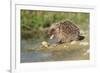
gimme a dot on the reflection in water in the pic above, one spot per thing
(34, 43)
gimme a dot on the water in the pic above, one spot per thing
(40, 56)
(34, 56)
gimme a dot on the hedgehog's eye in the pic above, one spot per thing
(51, 31)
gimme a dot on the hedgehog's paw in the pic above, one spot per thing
(60, 42)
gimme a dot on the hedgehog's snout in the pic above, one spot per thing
(51, 33)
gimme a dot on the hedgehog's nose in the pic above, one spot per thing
(49, 33)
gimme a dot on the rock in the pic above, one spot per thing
(45, 44)
(73, 42)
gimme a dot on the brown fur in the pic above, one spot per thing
(65, 31)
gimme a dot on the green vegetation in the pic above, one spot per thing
(35, 23)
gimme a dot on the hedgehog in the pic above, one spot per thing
(65, 31)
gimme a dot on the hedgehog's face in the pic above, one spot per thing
(52, 32)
